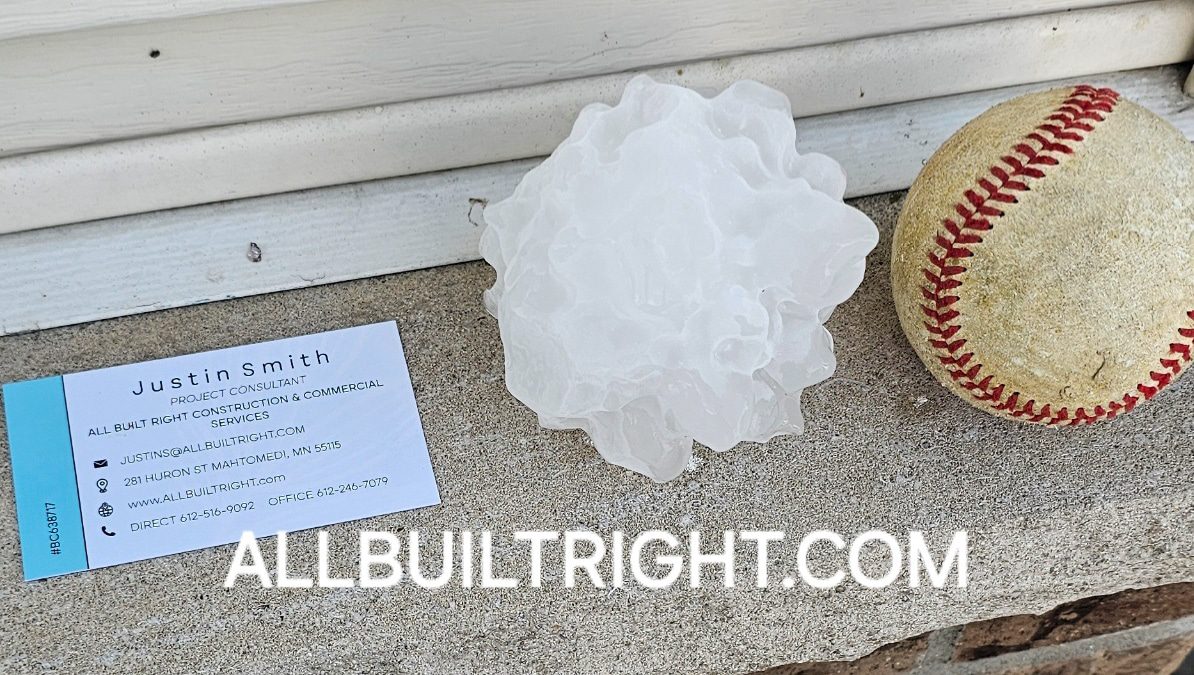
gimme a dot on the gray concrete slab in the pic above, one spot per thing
(1052, 515)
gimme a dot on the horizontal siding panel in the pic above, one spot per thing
(183, 169)
(98, 84)
(24, 18)
(75, 273)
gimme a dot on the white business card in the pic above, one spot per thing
(153, 458)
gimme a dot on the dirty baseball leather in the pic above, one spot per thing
(1041, 266)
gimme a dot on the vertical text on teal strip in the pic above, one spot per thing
(43, 471)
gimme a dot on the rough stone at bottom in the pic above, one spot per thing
(1172, 657)
(1084, 618)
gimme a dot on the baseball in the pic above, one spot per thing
(1041, 266)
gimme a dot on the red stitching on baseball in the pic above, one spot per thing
(1041, 148)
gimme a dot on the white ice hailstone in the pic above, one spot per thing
(665, 275)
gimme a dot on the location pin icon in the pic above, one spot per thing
(102, 484)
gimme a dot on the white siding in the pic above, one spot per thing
(119, 178)
(76, 273)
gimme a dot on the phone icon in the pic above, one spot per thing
(104, 529)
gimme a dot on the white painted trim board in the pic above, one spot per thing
(25, 18)
(75, 273)
(120, 178)
(99, 84)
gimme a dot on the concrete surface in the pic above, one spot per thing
(1052, 515)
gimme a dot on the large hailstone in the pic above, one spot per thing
(665, 274)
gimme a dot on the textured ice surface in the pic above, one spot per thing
(665, 274)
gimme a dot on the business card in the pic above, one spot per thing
(149, 459)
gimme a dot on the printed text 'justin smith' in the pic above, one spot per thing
(247, 369)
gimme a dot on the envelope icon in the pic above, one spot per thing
(100, 463)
